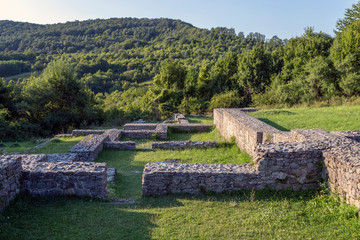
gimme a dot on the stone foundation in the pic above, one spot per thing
(10, 173)
(191, 127)
(82, 179)
(90, 147)
(120, 145)
(170, 178)
(184, 144)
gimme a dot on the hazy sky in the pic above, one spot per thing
(284, 18)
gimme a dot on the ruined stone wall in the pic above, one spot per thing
(114, 134)
(90, 147)
(343, 166)
(128, 145)
(296, 166)
(145, 131)
(82, 179)
(247, 130)
(161, 131)
(140, 126)
(284, 166)
(170, 178)
(191, 127)
(84, 132)
(184, 144)
(10, 173)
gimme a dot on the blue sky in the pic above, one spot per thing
(284, 18)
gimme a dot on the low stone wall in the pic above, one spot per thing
(170, 178)
(84, 132)
(82, 179)
(191, 127)
(62, 157)
(114, 134)
(295, 166)
(343, 166)
(10, 173)
(129, 145)
(139, 134)
(184, 144)
(140, 126)
(90, 147)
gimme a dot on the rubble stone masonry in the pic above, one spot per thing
(10, 173)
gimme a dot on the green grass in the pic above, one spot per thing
(339, 118)
(20, 147)
(200, 119)
(130, 164)
(241, 215)
(59, 145)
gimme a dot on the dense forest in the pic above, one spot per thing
(57, 77)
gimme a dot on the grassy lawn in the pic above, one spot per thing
(241, 215)
(60, 145)
(200, 119)
(339, 118)
(11, 147)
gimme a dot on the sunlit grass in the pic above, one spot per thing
(60, 145)
(339, 118)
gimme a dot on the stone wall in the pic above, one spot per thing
(129, 145)
(114, 134)
(282, 160)
(82, 179)
(145, 131)
(295, 166)
(191, 127)
(90, 147)
(85, 132)
(247, 130)
(170, 178)
(184, 144)
(140, 126)
(10, 173)
(343, 166)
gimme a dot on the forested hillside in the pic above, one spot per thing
(92, 72)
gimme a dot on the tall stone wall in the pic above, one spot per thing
(10, 173)
(247, 130)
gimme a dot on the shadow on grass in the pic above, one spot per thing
(275, 125)
(71, 218)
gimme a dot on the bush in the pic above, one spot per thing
(229, 99)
